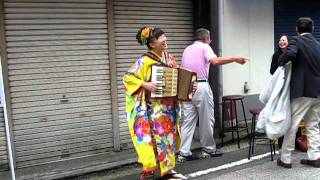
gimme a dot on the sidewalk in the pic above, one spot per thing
(104, 162)
(73, 167)
(78, 167)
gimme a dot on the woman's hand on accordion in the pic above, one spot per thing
(149, 86)
(194, 87)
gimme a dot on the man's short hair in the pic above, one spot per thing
(305, 25)
(201, 34)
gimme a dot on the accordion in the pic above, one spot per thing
(173, 82)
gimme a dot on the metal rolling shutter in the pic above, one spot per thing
(59, 79)
(173, 16)
(286, 13)
(3, 144)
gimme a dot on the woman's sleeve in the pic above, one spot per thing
(133, 79)
(274, 62)
(173, 61)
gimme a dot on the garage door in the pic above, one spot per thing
(59, 79)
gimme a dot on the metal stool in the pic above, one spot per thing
(232, 100)
(262, 140)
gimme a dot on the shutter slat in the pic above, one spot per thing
(60, 118)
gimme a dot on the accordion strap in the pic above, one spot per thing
(156, 58)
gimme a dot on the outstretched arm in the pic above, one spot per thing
(228, 59)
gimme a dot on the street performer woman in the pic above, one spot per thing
(153, 123)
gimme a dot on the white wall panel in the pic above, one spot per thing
(247, 30)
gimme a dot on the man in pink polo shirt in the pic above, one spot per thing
(198, 57)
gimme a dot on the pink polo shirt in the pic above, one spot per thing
(196, 58)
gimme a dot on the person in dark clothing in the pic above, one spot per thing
(282, 46)
(304, 53)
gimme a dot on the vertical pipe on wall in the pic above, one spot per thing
(5, 92)
(216, 71)
(207, 16)
(220, 34)
(220, 26)
(113, 77)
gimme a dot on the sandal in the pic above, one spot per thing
(173, 176)
(147, 176)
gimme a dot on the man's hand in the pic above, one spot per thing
(228, 59)
(149, 86)
(241, 59)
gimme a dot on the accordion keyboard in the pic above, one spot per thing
(166, 80)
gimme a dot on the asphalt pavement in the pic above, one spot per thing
(265, 169)
(233, 165)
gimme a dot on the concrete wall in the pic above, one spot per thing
(248, 30)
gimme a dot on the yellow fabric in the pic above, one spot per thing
(155, 143)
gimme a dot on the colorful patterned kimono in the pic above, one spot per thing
(153, 124)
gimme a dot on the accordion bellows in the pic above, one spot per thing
(173, 82)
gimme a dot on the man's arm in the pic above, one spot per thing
(228, 59)
(290, 53)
